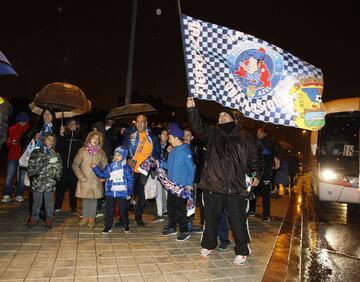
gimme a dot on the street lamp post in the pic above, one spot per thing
(131, 54)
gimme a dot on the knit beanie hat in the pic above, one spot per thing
(22, 117)
(175, 130)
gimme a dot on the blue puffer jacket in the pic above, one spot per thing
(119, 179)
(180, 165)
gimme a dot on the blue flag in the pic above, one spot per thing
(242, 72)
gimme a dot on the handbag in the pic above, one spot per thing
(24, 159)
(150, 188)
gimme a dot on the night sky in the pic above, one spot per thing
(86, 43)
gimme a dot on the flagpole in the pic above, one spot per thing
(178, 4)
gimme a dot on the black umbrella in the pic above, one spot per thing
(131, 111)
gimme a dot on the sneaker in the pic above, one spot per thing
(58, 210)
(19, 199)
(107, 230)
(240, 260)
(6, 199)
(165, 213)
(197, 229)
(266, 218)
(48, 225)
(99, 214)
(158, 218)
(223, 247)
(126, 228)
(168, 231)
(251, 213)
(183, 236)
(205, 253)
(31, 223)
(140, 223)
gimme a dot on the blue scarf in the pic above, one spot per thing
(46, 129)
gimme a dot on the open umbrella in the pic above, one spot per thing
(5, 66)
(131, 111)
(65, 99)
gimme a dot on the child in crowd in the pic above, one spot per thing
(89, 187)
(44, 171)
(14, 147)
(118, 188)
(181, 170)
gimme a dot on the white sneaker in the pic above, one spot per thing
(6, 199)
(205, 253)
(58, 210)
(19, 199)
(240, 260)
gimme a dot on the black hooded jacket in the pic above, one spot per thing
(228, 159)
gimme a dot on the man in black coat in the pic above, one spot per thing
(231, 155)
(69, 142)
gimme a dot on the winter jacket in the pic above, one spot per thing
(5, 112)
(68, 145)
(228, 159)
(132, 143)
(15, 133)
(117, 174)
(44, 170)
(180, 165)
(91, 186)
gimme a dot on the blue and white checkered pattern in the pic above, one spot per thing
(214, 47)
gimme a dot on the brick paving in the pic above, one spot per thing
(72, 253)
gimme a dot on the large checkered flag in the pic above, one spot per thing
(243, 72)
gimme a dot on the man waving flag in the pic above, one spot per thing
(243, 72)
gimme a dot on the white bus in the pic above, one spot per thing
(335, 176)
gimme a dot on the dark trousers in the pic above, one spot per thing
(292, 177)
(201, 206)
(68, 180)
(177, 212)
(110, 210)
(224, 228)
(140, 181)
(265, 191)
(214, 205)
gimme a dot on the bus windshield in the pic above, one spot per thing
(340, 136)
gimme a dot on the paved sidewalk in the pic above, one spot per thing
(72, 253)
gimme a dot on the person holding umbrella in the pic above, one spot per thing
(70, 141)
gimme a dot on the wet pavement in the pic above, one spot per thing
(331, 239)
(72, 253)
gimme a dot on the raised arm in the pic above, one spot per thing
(201, 130)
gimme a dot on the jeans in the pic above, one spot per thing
(37, 203)
(12, 166)
(161, 198)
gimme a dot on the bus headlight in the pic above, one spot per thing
(328, 174)
(331, 176)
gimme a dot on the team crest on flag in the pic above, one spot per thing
(259, 79)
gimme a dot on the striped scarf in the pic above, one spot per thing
(175, 189)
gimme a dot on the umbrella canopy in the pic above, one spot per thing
(131, 111)
(5, 66)
(59, 114)
(62, 96)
